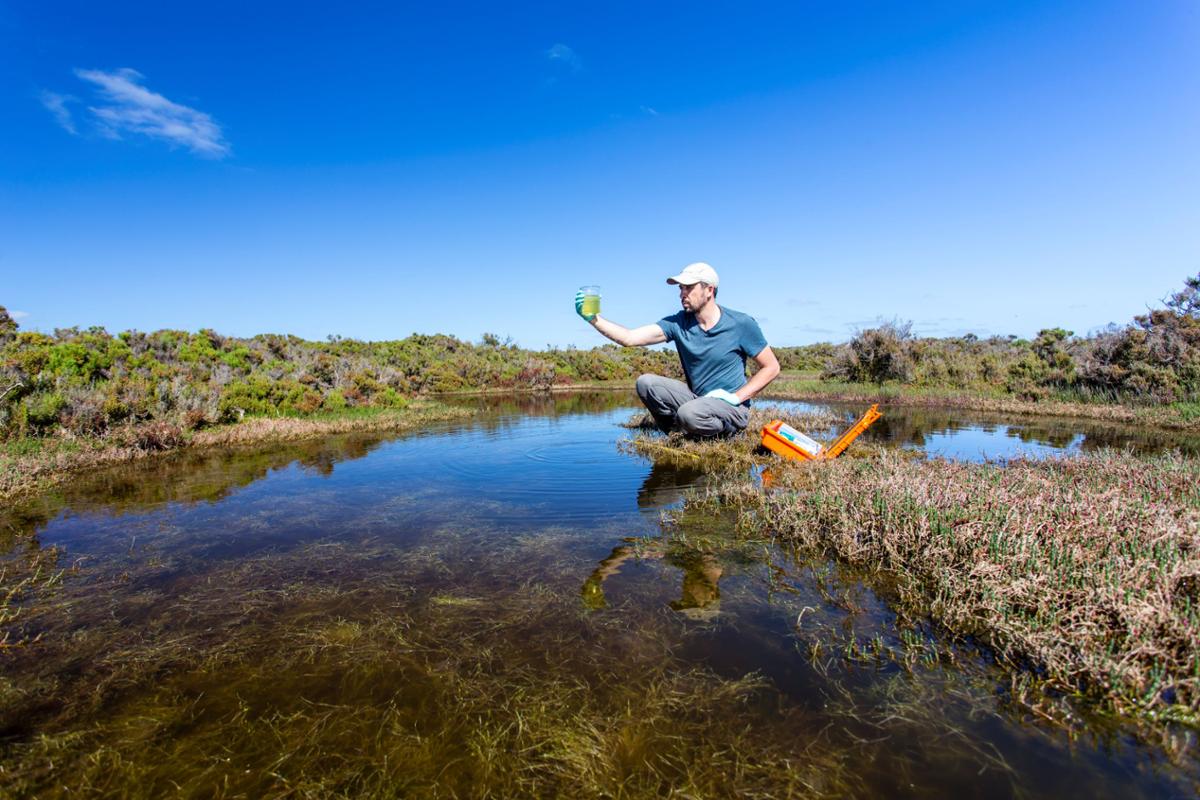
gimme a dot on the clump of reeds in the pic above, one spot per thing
(728, 454)
(1085, 569)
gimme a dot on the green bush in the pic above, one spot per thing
(335, 401)
(260, 396)
(390, 398)
(42, 409)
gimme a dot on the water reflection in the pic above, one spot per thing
(700, 594)
(666, 485)
(185, 478)
(967, 435)
(544, 404)
(974, 436)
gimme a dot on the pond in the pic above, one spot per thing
(495, 608)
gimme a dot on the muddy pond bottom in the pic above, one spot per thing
(492, 609)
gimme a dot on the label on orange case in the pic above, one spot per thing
(799, 439)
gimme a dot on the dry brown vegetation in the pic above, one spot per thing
(1083, 574)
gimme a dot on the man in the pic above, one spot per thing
(713, 344)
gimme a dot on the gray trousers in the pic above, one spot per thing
(673, 404)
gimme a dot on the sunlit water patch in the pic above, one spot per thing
(490, 609)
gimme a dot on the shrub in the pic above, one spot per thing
(84, 410)
(390, 398)
(809, 358)
(42, 409)
(158, 435)
(876, 355)
(240, 358)
(335, 401)
(8, 326)
(1156, 357)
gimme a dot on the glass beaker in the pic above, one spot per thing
(591, 300)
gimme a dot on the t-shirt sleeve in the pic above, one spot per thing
(752, 340)
(670, 326)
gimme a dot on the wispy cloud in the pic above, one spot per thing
(124, 106)
(561, 54)
(18, 314)
(648, 110)
(56, 104)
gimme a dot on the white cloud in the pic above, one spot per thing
(56, 104)
(561, 54)
(18, 314)
(127, 107)
(648, 110)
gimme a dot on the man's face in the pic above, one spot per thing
(694, 296)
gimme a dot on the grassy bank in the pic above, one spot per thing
(1081, 574)
(34, 464)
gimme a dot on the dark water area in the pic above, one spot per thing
(506, 606)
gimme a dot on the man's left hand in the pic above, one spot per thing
(728, 397)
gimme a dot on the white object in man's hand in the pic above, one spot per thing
(728, 397)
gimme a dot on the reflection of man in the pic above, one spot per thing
(666, 484)
(700, 597)
(713, 344)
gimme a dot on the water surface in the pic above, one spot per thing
(499, 607)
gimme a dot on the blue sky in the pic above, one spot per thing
(994, 167)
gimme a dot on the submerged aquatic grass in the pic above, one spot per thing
(332, 672)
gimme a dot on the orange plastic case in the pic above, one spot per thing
(778, 444)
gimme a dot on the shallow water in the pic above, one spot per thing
(976, 436)
(500, 608)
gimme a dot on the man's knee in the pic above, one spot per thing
(699, 419)
(645, 384)
(695, 420)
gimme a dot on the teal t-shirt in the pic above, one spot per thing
(716, 358)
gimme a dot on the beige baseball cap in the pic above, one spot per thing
(698, 272)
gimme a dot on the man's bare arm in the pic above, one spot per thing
(768, 369)
(636, 337)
